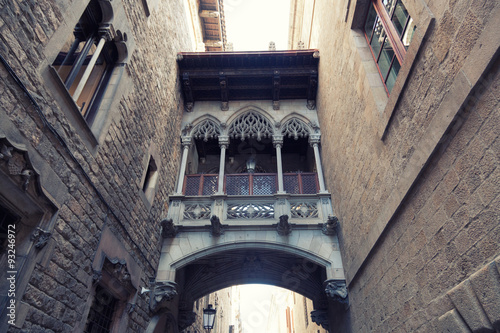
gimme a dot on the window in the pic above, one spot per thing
(101, 313)
(86, 61)
(388, 30)
(150, 181)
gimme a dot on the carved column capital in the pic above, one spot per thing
(314, 140)
(105, 32)
(186, 142)
(278, 141)
(224, 141)
(336, 290)
(163, 292)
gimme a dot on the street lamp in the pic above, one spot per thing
(251, 165)
(209, 317)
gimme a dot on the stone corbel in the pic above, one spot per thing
(216, 228)
(331, 225)
(40, 238)
(336, 290)
(168, 228)
(284, 228)
(320, 317)
(186, 318)
(163, 292)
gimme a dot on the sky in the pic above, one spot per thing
(256, 304)
(252, 24)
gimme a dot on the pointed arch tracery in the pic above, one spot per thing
(206, 129)
(295, 128)
(251, 125)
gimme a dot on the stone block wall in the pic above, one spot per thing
(413, 176)
(94, 187)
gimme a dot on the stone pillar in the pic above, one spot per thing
(105, 36)
(278, 144)
(314, 141)
(186, 144)
(224, 143)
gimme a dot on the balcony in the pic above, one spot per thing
(250, 197)
(251, 184)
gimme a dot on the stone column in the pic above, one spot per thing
(314, 141)
(224, 143)
(278, 144)
(186, 144)
(105, 36)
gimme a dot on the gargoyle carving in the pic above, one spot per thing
(337, 290)
(163, 292)
(40, 238)
(330, 227)
(320, 317)
(216, 229)
(284, 228)
(168, 228)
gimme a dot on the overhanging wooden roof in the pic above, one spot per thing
(263, 75)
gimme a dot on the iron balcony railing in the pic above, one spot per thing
(251, 184)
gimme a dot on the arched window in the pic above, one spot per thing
(86, 61)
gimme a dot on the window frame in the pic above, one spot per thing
(386, 104)
(391, 35)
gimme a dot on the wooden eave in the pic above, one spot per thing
(262, 75)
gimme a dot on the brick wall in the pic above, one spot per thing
(147, 115)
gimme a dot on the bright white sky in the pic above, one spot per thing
(252, 24)
(256, 304)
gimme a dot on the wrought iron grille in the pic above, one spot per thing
(101, 312)
(251, 184)
(301, 183)
(250, 211)
(238, 184)
(291, 183)
(200, 184)
(209, 185)
(264, 184)
(309, 183)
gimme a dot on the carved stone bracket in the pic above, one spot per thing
(118, 269)
(216, 228)
(168, 228)
(185, 319)
(284, 228)
(96, 277)
(336, 290)
(330, 227)
(163, 292)
(17, 164)
(320, 317)
(40, 238)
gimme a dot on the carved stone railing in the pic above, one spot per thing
(256, 209)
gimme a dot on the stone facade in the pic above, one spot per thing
(92, 176)
(413, 175)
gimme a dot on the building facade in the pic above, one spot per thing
(139, 173)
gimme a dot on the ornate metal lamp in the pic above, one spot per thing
(251, 165)
(209, 317)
